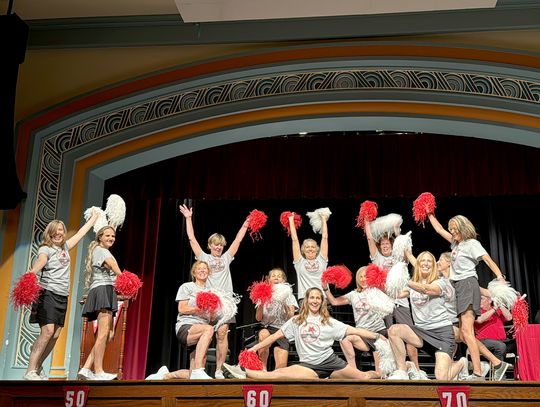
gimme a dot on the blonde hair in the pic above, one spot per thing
(194, 267)
(217, 238)
(305, 242)
(464, 226)
(91, 247)
(50, 231)
(304, 309)
(279, 270)
(358, 272)
(417, 275)
(447, 256)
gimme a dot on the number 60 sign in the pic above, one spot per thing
(257, 395)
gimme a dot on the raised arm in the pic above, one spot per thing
(238, 239)
(506, 313)
(410, 257)
(268, 341)
(259, 313)
(439, 228)
(324, 237)
(297, 253)
(76, 238)
(113, 265)
(195, 246)
(333, 300)
(372, 245)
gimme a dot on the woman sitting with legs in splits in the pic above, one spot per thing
(314, 333)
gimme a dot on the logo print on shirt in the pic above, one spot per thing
(362, 307)
(388, 263)
(63, 258)
(312, 266)
(310, 332)
(216, 265)
(419, 299)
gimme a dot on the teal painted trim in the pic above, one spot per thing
(136, 31)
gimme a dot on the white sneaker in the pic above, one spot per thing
(31, 375)
(398, 375)
(199, 374)
(41, 373)
(219, 374)
(233, 372)
(85, 374)
(159, 375)
(414, 373)
(103, 376)
(464, 372)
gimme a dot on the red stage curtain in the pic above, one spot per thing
(138, 244)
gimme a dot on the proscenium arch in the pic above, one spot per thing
(217, 105)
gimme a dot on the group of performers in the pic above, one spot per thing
(435, 309)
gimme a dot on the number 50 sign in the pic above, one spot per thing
(454, 396)
(75, 396)
(257, 395)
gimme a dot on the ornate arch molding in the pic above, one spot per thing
(426, 79)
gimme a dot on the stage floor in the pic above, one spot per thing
(308, 393)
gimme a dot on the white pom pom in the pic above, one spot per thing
(315, 218)
(115, 210)
(379, 303)
(502, 294)
(386, 226)
(101, 220)
(402, 243)
(281, 291)
(397, 279)
(387, 362)
(228, 308)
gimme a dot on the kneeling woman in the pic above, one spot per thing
(314, 333)
(432, 329)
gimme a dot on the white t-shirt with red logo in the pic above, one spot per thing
(309, 273)
(364, 317)
(55, 275)
(220, 272)
(430, 312)
(313, 340)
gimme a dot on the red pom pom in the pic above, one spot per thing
(127, 284)
(520, 315)
(249, 360)
(284, 219)
(26, 290)
(260, 292)
(257, 220)
(376, 276)
(422, 206)
(368, 210)
(340, 276)
(208, 301)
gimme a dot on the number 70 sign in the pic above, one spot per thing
(454, 396)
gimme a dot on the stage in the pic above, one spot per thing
(316, 393)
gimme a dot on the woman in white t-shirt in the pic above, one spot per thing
(101, 303)
(53, 269)
(314, 332)
(432, 329)
(466, 253)
(309, 260)
(272, 316)
(364, 317)
(220, 275)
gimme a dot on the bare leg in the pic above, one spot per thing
(178, 374)
(352, 373)
(281, 357)
(412, 352)
(264, 352)
(41, 344)
(222, 345)
(104, 321)
(399, 335)
(50, 345)
(445, 369)
(466, 321)
(201, 335)
(289, 372)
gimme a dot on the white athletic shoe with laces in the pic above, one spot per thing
(398, 375)
(104, 376)
(464, 372)
(233, 372)
(85, 374)
(199, 374)
(159, 375)
(219, 374)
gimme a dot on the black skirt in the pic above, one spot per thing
(102, 297)
(50, 308)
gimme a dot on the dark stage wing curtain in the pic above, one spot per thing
(467, 176)
(136, 251)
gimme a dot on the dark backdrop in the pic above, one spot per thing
(305, 173)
